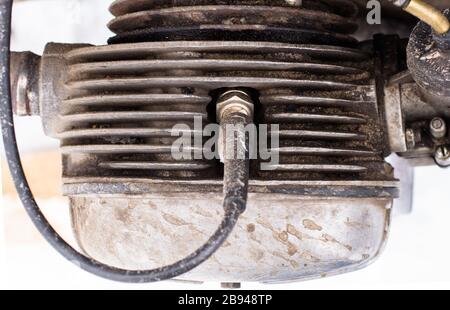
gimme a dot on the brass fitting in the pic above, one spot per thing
(428, 14)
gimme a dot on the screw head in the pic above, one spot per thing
(438, 128)
(442, 156)
(437, 123)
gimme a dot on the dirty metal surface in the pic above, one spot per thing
(279, 238)
(129, 187)
(121, 102)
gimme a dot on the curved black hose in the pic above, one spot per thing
(233, 206)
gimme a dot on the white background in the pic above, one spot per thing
(417, 254)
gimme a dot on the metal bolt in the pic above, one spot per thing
(25, 68)
(438, 128)
(442, 156)
(235, 101)
(230, 105)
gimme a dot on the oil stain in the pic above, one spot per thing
(311, 225)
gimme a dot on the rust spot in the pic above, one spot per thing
(309, 257)
(174, 220)
(297, 234)
(329, 238)
(283, 236)
(293, 263)
(251, 228)
(293, 231)
(292, 250)
(264, 224)
(311, 225)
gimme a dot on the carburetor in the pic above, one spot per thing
(267, 119)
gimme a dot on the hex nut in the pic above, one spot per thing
(235, 101)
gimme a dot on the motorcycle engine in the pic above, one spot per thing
(331, 108)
